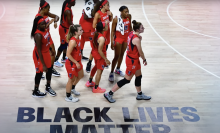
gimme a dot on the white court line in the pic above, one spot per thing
(171, 46)
(3, 11)
(185, 27)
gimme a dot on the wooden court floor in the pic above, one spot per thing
(181, 43)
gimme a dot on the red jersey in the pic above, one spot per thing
(132, 50)
(65, 23)
(86, 24)
(47, 20)
(95, 52)
(76, 53)
(127, 25)
(104, 17)
(45, 41)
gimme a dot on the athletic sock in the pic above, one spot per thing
(111, 92)
(68, 94)
(56, 59)
(140, 93)
(73, 87)
(96, 86)
(90, 80)
(64, 56)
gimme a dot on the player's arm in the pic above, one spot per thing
(130, 17)
(114, 23)
(56, 18)
(71, 46)
(68, 16)
(110, 16)
(137, 42)
(95, 20)
(38, 38)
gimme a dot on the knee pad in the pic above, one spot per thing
(63, 47)
(123, 82)
(138, 81)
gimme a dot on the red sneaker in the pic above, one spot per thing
(90, 84)
(98, 90)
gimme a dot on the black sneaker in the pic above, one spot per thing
(85, 58)
(55, 73)
(38, 94)
(88, 67)
(50, 91)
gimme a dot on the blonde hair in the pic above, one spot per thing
(71, 32)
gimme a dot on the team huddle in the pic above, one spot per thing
(94, 26)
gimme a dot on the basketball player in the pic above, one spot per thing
(44, 11)
(101, 13)
(99, 54)
(121, 27)
(86, 23)
(134, 51)
(41, 56)
(73, 64)
(65, 22)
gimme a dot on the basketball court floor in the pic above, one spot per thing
(181, 43)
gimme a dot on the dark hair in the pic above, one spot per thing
(86, 1)
(97, 7)
(72, 30)
(122, 8)
(136, 25)
(63, 8)
(42, 2)
(34, 28)
(99, 29)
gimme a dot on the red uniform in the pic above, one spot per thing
(76, 54)
(99, 61)
(132, 58)
(47, 20)
(44, 50)
(64, 26)
(104, 17)
(88, 30)
(123, 38)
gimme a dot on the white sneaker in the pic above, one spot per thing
(71, 99)
(58, 64)
(111, 77)
(119, 72)
(75, 92)
(64, 61)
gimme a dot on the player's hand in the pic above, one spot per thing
(107, 62)
(145, 62)
(112, 46)
(51, 21)
(78, 65)
(55, 25)
(109, 13)
(45, 68)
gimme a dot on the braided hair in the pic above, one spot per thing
(35, 24)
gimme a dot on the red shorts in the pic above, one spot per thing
(132, 65)
(120, 40)
(86, 36)
(71, 68)
(63, 34)
(37, 61)
(100, 63)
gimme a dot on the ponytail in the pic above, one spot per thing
(97, 7)
(63, 8)
(136, 25)
(99, 29)
(35, 24)
(71, 32)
